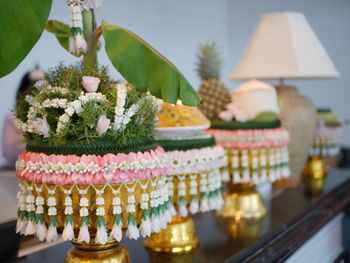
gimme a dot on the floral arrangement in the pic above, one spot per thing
(196, 173)
(328, 131)
(91, 168)
(73, 105)
(255, 155)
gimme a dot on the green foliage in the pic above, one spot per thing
(266, 117)
(62, 33)
(22, 23)
(145, 68)
(81, 127)
(209, 62)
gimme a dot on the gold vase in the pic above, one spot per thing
(111, 252)
(243, 202)
(178, 238)
(298, 116)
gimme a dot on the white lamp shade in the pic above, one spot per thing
(284, 46)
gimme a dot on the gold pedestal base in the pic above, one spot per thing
(315, 168)
(243, 203)
(314, 175)
(109, 253)
(179, 237)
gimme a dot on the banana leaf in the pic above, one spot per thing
(62, 33)
(21, 25)
(146, 68)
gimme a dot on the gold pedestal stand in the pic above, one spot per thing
(315, 168)
(111, 252)
(178, 238)
(243, 201)
(314, 175)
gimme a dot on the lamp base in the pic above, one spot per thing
(298, 116)
(111, 252)
(242, 202)
(179, 237)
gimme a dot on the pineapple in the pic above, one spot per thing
(214, 93)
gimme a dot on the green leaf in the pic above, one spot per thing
(145, 68)
(266, 117)
(62, 33)
(21, 25)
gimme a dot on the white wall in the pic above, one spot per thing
(176, 28)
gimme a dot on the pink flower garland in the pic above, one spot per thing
(91, 169)
(251, 139)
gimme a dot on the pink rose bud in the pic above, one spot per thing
(42, 127)
(226, 115)
(103, 124)
(231, 107)
(90, 84)
(241, 116)
(43, 83)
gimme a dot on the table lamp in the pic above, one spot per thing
(284, 46)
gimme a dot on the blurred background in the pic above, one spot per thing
(176, 28)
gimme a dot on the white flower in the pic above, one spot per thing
(131, 199)
(51, 234)
(41, 231)
(51, 201)
(84, 201)
(70, 111)
(68, 232)
(204, 206)
(77, 44)
(116, 201)
(145, 228)
(30, 199)
(68, 201)
(43, 83)
(121, 102)
(237, 113)
(144, 205)
(64, 118)
(41, 126)
(20, 226)
(77, 106)
(52, 211)
(119, 111)
(116, 233)
(132, 232)
(117, 210)
(91, 4)
(90, 84)
(100, 201)
(226, 115)
(194, 206)
(39, 209)
(100, 211)
(101, 235)
(30, 228)
(103, 124)
(84, 212)
(126, 120)
(84, 235)
(68, 210)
